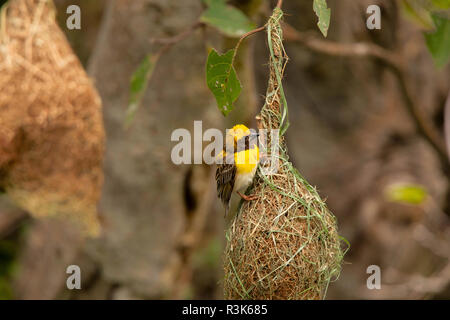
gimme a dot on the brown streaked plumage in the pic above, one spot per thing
(232, 176)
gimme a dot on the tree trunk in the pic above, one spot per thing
(154, 210)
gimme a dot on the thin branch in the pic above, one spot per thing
(179, 37)
(279, 4)
(170, 41)
(424, 126)
(360, 49)
(244, 36)
(427, 239)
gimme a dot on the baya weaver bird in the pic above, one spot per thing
(238, 168)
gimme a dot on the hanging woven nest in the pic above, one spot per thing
(285, 244)
(51, 129)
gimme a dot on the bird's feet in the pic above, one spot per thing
(247, 198)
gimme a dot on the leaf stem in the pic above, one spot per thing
(279, 4)
(245, 35)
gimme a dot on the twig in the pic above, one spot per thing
(245, 35)
(279, 4)
(360, 49)
(171, 41)
(424, 126)
(179, 37)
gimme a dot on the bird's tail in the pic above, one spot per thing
(227, 208)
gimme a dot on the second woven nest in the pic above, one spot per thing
(51, 127)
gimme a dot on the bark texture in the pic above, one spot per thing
(154, 210)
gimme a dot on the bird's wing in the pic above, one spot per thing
(225, 178)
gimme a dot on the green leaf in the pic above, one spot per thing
(407, 193)
(324, 15)
(418, 13)
(439, 42)
(138, 84)
(228, 20)
(441, 4)
(222, 80)
(421, 11)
